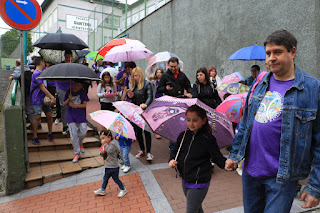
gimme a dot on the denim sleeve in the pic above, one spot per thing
(313, 186)
(236, 144)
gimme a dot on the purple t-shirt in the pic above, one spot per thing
(119, 75)
(36, 94)
(262, 159)
(77, 115)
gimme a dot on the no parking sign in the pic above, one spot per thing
(21, 14)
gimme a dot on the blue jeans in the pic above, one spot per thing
(114, 173)
(266, 195)
(125, 150)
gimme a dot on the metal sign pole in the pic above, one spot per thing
(23, 106)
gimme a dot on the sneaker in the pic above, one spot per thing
(39, 126)
(100, 192)
(29, 127)
(157, 136)
(35, 141)
(56, 122)
(126, 169)
(65, 131)
(122, 167)
(50, 137)
(82, 149)
(122, 193)
(140, 154)
(76, 158)
(149, 157)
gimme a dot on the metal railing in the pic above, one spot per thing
(14, 93)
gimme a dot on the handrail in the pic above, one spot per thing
(14, 93)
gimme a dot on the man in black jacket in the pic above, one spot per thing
(174, 82)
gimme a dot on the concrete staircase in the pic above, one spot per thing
(51, 161)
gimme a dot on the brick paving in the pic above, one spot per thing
(225, 190)
(82, 199)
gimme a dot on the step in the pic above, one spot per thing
(45, 173)
(44, 157)
(61, 143)
(56, 131)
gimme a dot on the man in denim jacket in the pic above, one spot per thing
(279, 135)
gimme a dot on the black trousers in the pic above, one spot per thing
(139, 137)
(107, 106)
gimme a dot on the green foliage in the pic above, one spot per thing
(10, 41)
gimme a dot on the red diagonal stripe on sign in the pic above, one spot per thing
(21, 10)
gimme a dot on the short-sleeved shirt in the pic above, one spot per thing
(262, 159)
(76, 115)
(36, 94)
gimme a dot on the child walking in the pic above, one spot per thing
(107, 92)
(110, 150)
(191, 155)
(38, 91)
(76, 100)
(125, 148)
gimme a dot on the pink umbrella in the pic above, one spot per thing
(233, 106)
(126, 53)
(232, 78)
(166, 117)
(132, 112)
(114, 122)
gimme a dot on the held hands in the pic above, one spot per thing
(310, 201)
(230, 165)
(173, 164)
(143, 106)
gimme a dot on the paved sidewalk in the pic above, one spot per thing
(152, 187)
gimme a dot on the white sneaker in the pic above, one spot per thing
(101, 192)
(149, 157)
(126, 169)
(122, 167)
(56, 122)
(122, 193)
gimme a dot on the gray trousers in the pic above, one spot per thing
(195, 198)
(61, 95)
(78, 132)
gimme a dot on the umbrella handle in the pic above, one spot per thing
(180, 145)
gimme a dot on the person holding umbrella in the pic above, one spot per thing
(204, 90)
(195, 148)
(255, 70)
(142, 96)
(76, 102)
(62, 88)
(38, 92)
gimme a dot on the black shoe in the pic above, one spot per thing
(39, 126)
(29, 127)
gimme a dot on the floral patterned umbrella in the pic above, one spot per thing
(56, 56)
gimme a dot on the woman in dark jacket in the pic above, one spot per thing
(142, 96)
(204, 90)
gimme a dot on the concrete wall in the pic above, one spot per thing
(14, 147)
(205, 33)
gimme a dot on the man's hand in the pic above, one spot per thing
(173, 164)
(169, 88)
(230, 165)
(310, 201)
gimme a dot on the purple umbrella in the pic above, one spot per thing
(166, 117)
